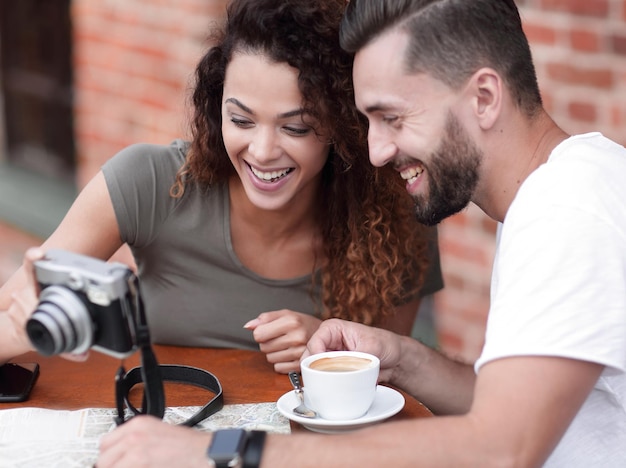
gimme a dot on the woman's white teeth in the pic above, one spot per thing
(411, 174)
(269, 176)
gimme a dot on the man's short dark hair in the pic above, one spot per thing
(451, 39)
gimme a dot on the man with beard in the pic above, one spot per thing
(450, 92)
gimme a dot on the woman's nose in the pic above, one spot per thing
(263, 146)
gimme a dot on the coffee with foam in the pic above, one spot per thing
(340, 385)
(341, 364)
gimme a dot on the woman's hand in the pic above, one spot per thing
(25, 301)
(22, 300)
(23, 304)
(282, 335)
(13, 338)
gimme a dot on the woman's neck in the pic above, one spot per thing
(277, 244)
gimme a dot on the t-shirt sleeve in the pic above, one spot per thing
(139, 179)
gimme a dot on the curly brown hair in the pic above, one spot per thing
(375, 251)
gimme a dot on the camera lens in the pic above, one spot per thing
(60, 324)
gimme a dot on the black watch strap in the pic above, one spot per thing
(227, 447)
(254, 449)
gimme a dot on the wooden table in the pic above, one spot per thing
(246, 377)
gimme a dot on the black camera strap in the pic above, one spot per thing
(152, 375)
(125, 381)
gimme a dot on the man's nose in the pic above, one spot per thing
(381, 148)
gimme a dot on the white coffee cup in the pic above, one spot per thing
(340, 385)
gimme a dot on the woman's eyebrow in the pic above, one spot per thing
(292, 113)
(284, 115)
(239, 104)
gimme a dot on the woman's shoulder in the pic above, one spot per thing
(150, 154)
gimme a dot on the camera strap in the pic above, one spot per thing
(125, 381)
(152, 375)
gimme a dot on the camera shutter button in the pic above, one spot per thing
(98, 296)
(75, 281)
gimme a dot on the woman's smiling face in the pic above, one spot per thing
(277, 149)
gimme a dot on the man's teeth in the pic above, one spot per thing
(411, 174)
(269, 176)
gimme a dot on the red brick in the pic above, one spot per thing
(582, 111)
(596, 8)
(451, 342)
(584, 40)
(467, 251)
(489, 226)
(618, 43)
(540, 34)
(459, 219)
(618, 116)
(577, 75)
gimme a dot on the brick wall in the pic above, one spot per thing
(134, 59)
(134, 63)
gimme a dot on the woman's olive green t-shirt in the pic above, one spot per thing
(196, 292)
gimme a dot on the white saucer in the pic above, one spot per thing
(387, 402)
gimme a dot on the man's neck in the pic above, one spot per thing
(512, 155)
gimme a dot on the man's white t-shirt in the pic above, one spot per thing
(559, 286)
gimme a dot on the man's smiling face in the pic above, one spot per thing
(412, 125)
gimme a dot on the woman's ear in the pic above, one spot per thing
(486, 87)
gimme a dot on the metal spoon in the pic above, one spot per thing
(300, 410)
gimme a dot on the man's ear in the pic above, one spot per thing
(486, 87)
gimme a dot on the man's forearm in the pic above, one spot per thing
(410, 443)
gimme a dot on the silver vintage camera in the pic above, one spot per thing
(84, 303)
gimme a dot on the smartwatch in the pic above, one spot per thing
(227, 446)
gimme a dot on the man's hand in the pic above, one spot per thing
(336, 335)
(146, 441)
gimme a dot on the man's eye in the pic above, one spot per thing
(389, 119)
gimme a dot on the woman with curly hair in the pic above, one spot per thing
(271, 218)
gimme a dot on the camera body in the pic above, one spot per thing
(84, 303)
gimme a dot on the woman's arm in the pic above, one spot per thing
(90, 228)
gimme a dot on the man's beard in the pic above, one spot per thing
(452, 175)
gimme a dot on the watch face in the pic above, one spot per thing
(227, 446)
